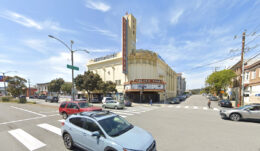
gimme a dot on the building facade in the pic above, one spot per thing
(140, 74)
(42, 88)
(181, 84)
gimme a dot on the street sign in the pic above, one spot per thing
(72, 67)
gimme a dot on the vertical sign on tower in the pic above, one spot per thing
(124, 44)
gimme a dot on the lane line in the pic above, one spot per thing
(50, 112)
(178, 106)
(186, 107)
(51, 128)
(26, 139)
(28, 111)
(170, 106)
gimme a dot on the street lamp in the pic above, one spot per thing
(72, 62)
(4, 73)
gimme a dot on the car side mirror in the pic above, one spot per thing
(96, 133)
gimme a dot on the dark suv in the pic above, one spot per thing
(52, 99)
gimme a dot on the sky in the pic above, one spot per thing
(187, 34)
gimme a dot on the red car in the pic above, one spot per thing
(72, 107)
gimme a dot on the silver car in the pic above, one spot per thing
(113, 104)
(244, 112)
(105, 131)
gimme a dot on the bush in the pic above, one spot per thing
(6, 99)
(22, 100)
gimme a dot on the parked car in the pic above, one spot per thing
(107, 99)
(174, 101)
(244, 112)
(52, 99)
(213, 98)
(127, 103)
(72, 107)
(105, 131)
(181, 98)
(42, 97)
(82, 99)
(209, 96)
(113, 104)
(95, 100)
(225, 103)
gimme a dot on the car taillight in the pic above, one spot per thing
(62, 123)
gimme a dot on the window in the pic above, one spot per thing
(91, 126)
(118, 82)
(62, 105)
(253, 74)
(247, 76)
(77, 121)
(72, 106)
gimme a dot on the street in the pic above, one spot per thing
(188, 126)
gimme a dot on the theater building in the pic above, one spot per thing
(140, 74)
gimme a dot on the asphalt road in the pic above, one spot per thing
(189, 126)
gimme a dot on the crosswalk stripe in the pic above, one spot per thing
(205, 108)
(130, 112)
(26, 139)
(170, 106)
(122, 113)
(61, 120)
(186, 107)
(195, 107)
(178, 106)
(216, 109)
(51, 128)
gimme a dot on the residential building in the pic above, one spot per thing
(233, 90)
(252, 82)
(2, 91)
(30, 92)
(181, 84)
(42, 88)
(140, 74)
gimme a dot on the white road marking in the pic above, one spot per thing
(50, 112)
(205, 108)
(122, 113)
(178, 106)
(51, 128)
(26, 139)
(20, 120)
(61, 120)
(186, 107)
(123, 116)
(28, 111)
(170, 106)
(195, 107)
(216, 109)
(130, 112)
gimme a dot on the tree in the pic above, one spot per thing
(66, 87)
(220, 80)
(107, 87)
(16, 85)
(89, 82)
(55, 85)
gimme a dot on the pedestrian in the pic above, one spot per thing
(209, 103)
(151, 101)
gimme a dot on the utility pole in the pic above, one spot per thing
(241, 79)
(72, 70)
(29, 88)
(4, 83)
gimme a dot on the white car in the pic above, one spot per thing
(105, 99)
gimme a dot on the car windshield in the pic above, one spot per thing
(109, 99)
(84, 105)
(115, 126)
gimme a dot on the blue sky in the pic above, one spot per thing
(187, 33)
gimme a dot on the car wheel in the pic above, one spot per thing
(64, 115)
(235, 117)
(68, 142)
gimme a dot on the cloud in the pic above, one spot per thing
(93, 4)
(4, 60)
(36, 44)
(175, 16)
(30, 23)
(20, 19)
